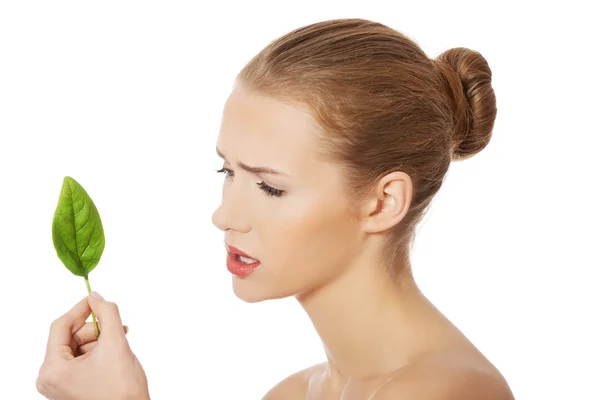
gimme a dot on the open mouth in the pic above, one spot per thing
(245, 260)
(241, 266)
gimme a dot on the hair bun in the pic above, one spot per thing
(468, 80)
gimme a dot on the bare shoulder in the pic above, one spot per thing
(446, 378)
(294, 386)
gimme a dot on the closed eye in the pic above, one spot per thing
(270, 191)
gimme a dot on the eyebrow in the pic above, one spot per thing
(254, 170)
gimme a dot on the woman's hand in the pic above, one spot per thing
(78, 366)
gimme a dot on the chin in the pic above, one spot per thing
(251, 291)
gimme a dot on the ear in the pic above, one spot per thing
(388, 204)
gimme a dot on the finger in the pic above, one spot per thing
(89, 346)
(86, 348)
(86, 334)
(63, 328)
(108, 313)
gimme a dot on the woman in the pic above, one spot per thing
(334, 141)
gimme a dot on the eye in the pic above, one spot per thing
(270, 191)
(228, 173)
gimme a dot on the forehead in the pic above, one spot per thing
(262, 127)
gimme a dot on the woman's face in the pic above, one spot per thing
(304, 238)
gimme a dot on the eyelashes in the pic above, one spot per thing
(270, 191)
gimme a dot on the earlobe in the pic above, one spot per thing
(389, 204)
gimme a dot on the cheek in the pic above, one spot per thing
(307, 241)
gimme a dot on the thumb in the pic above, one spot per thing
(108, 314)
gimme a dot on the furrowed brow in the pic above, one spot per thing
(252, 169)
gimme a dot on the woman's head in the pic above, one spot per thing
(364, 125)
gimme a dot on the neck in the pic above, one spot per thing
(370, 325)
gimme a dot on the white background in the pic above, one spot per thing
(126, 97)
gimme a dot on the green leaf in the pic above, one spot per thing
(77, 230)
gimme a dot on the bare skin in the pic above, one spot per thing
(79, 366)
(382, 337)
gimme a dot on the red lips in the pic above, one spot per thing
(237, 251)
(236, 266)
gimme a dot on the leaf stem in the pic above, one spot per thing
(87, 283)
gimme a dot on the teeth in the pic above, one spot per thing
(246, 260)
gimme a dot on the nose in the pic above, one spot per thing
(232, 213)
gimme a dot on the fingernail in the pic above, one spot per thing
(96, 295)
